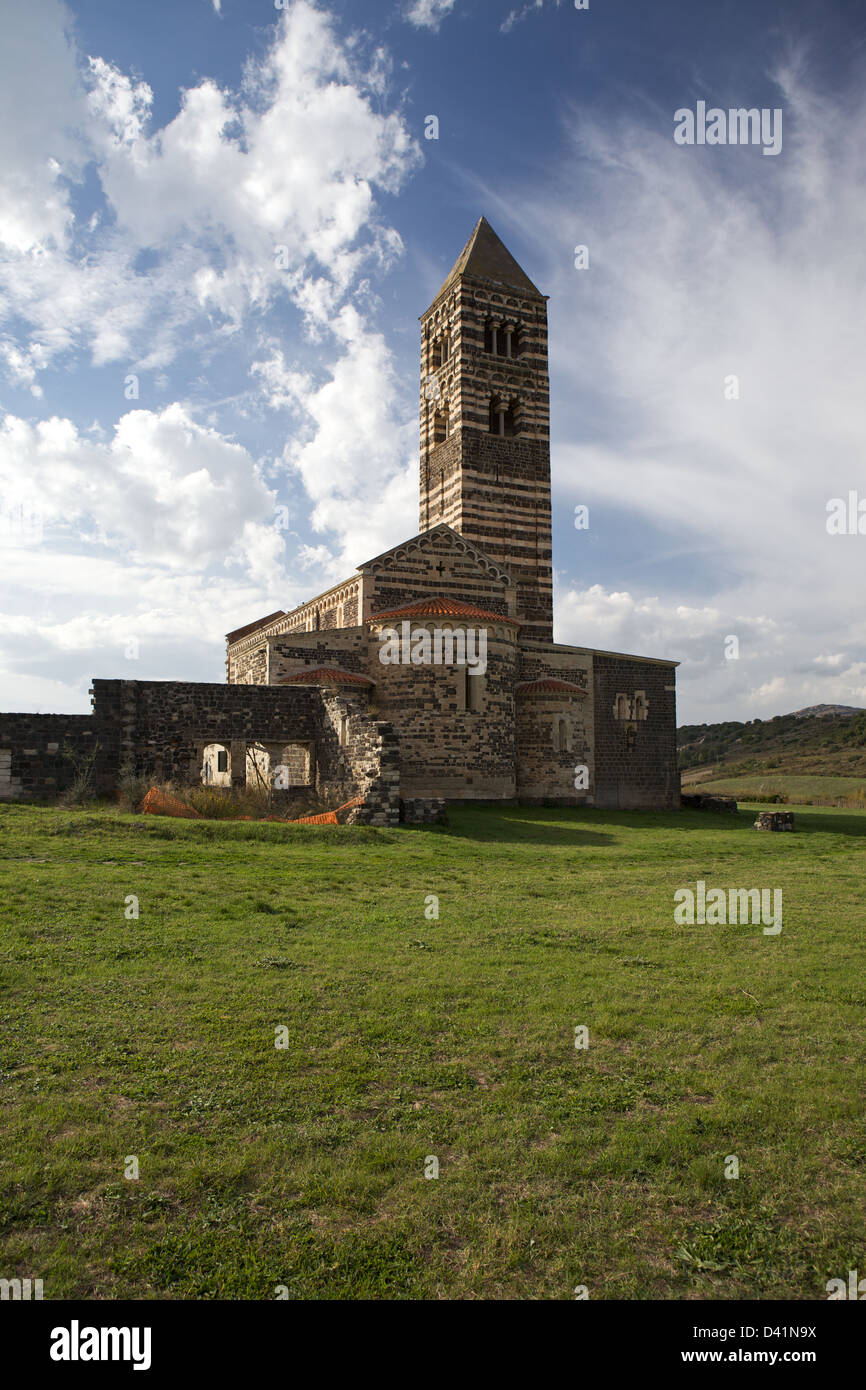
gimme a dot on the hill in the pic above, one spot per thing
(823, 710)
(819, 741)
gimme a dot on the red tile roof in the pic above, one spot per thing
(325, 675)
(440, 608)
(240, 632)
(548, 684)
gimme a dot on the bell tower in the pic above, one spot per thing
(485, 420)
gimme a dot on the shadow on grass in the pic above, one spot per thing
(541, 825)
(585, 825)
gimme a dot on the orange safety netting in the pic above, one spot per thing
(329, 817)
(158, 803)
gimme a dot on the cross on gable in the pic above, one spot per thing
(440, 568)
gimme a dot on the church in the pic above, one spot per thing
(430, 675)
(542, 722)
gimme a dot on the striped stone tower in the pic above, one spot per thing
(485, 420)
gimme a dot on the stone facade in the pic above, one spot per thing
(311, 691)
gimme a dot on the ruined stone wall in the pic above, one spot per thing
(33, 761)
(161, 728)
(635, 749)
(359, 756)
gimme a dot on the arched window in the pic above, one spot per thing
(491, 337)
(440, 425)
(562, 740)
(501, 417)
(622, 709)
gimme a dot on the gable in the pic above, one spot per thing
(438, 563)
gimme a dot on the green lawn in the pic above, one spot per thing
(411, 1037)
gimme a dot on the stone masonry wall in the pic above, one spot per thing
(32, 759)
(545, 771)
(162, 727)
(493, 489)
(554, 735)
(635, 758)
(447, 749)
(345, 648)
(366, 764)
(435, 566)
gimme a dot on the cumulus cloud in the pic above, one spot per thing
(255, 201)
(353, 450)
(243, 198)
(164, 490)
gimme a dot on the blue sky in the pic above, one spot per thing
(221, 221)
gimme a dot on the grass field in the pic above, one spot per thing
(799, 788)
(409, 1037)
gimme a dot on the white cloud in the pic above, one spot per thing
(165, 490)
(42, 109)
(252, 201)
(517, 16)
(705, 264)
(428, 14)
(243, 198)
(355, 454)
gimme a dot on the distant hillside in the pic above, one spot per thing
(819, 741)
(822, 710)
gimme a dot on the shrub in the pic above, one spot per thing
(131, 787)
(82, 789)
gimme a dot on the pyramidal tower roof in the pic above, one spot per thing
(487, 257)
